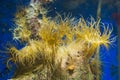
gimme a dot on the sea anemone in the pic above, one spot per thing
(56, 48)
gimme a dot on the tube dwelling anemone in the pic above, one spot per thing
(57, 50)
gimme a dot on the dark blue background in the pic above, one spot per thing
(87, 9)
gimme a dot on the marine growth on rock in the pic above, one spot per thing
(55, 49)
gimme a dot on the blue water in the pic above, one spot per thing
(86, 9)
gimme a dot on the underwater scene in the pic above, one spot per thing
(59, 39)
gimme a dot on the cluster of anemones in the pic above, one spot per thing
(55, 47)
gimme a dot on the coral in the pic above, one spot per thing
(55, 49)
